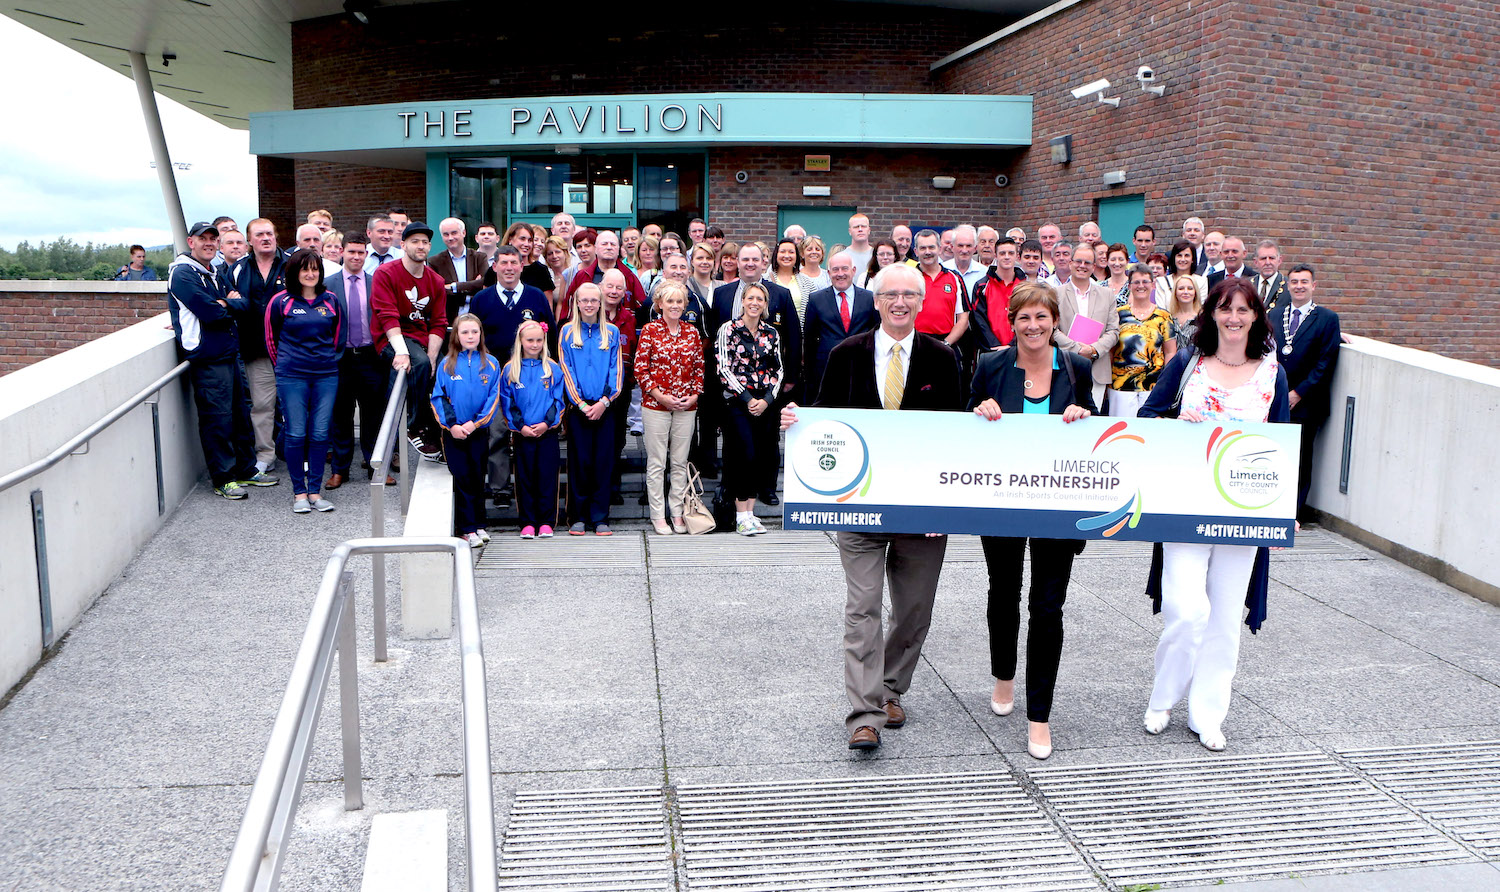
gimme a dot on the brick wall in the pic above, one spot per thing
(42, 319)
(278, 195)
(354, 193)
(1350, 133)
(461, 51)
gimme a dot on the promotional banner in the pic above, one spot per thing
(1147, 479)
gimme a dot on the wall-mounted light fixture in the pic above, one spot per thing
(816, 191)
(943, 182)
(1114, 178)
(1062, 149)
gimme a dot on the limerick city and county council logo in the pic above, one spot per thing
(1250, 470)
(833, 460)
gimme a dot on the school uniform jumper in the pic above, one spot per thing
(303, 339)
(537, 397)
(470, 392)
(591, 373)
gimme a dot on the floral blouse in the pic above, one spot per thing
(1138, 358)
(671, 364)
(749, 362)
(1250, 401)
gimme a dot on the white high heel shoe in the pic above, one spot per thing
(999, 708)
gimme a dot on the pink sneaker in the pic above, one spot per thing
(528, 532)
(545, 532)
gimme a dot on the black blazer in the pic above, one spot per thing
(335, 286)
(823, 329)
(1309, 367)
(932, 381)
(1217, 276)
(1279, 296)
(997, 377)
(781, 312)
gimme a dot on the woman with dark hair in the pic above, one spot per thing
(728, 263)
(786, 271)
(882, 254)
(1180, 265)
(1229, 375)
(533, 273)
(303, 332)
(1030, 377)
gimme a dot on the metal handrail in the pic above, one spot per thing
(255, 862)
(385, 444)
(21, 475)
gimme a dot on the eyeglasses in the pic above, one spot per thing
(909, 295)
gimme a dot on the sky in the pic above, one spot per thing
(88, 175)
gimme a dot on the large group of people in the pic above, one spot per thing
(513, 342)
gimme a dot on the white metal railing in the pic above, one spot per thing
(392, 429)
(256, 860)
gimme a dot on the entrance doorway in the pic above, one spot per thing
(1119, 216)
(829, 224)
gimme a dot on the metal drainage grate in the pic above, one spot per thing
(1457, 786)
(587, 840)
(622, 551)
(959, 831)
(1205, 820)
(791, 549)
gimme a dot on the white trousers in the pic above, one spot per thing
(668, 436)
(1124, 403)
(1202, 604)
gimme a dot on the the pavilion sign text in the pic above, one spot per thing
(574, 120)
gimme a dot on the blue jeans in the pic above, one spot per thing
(308, 405)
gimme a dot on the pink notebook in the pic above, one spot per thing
(1085, 330)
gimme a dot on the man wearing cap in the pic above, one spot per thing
(203, 319)
(411, 320)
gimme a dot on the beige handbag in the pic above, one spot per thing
(695, 514)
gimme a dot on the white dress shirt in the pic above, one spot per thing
(883, 344)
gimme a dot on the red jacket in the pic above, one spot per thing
(391, 304)
(635, 293)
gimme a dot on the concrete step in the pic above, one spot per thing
(407, 852)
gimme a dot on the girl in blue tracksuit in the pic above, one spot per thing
(589, 349)
(304, 334)
(465, 395)
(532, 402)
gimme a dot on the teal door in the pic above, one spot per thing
(829, 224)
(1118, 218)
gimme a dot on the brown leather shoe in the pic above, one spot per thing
(334, 481)
(864, 737)
(895, 716)
(389, 480)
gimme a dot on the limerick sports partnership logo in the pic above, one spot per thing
(832, 459)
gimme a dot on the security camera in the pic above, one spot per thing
(1098, 86)
(168, 59)
(1145, 74)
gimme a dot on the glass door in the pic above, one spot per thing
(476, 192)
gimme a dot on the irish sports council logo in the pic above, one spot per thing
(1250, 470)
(833, 460)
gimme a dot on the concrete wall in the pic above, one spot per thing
(43, 318)
(1426, 442)
(100, 507)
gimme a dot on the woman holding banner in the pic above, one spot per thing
(1030, 377)
(1228, 375)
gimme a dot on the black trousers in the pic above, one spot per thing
(752, 450)
(362, 381)
(1305, 460)
(591, 464)
(618, 415)
(705, 451)
(1051, 567)
(222, 396)
(419, 418)
(468, 462)
(536, 478)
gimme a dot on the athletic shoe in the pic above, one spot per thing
(300, 506)
(260, 478)
(231, 491)
(484, 535)
(428, 451)
(745, 528)
(544, 533)
(759, 527)
(603, 530)
(528, 532)
(473, 540)
(576, 529)
(320, 504)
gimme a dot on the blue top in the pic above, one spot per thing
(303, 337)
(500, 320)
(205, 328)
(470, 392)
(1041, 405)
(590, 373)
(532, 400)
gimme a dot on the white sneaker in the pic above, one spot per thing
(759, 527)
(484, 536)
(745, 528)
(473, 540)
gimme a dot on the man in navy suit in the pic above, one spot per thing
(1269, 283)
(1308, 339)
(1233, 254)
(781, 311)
(362, 375)
(833, 314)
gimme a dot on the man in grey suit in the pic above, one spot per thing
(892, 367)
(362, 375)
(1082, 295)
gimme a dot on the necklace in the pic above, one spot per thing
(1233, 365)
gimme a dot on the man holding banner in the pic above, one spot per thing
(892, 367)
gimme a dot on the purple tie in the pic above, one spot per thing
(1296, 320)
(359, 333)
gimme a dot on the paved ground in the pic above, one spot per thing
(674, 665)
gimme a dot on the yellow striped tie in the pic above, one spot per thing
(895, 382)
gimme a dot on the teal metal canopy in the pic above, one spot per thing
(402, 134)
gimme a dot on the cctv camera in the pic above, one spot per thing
(167, 59)
(1145, 74)
(1098, 86)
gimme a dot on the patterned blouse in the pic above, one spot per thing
(749, 362)
(1250, 401)
(671, 364)
(1138, 358)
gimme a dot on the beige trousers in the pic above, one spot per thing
(668, 437)
(261, 375)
